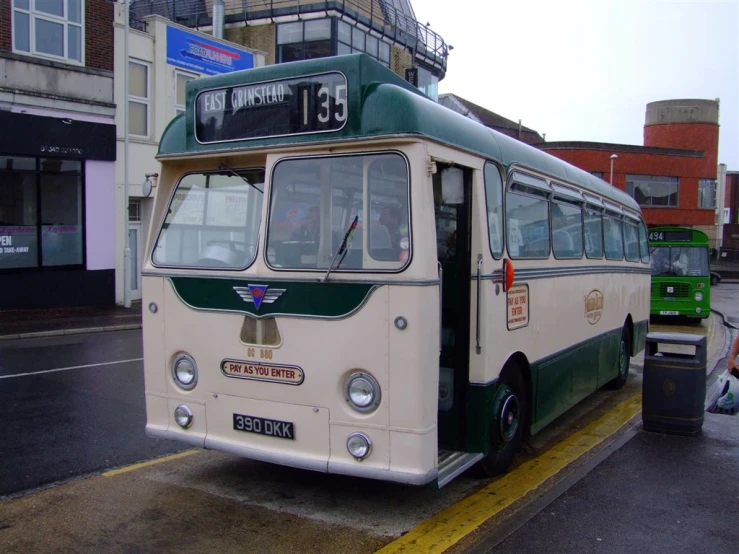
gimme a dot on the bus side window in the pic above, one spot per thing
(494, 202)
(593, 234)
(527, 220)
(613, 238)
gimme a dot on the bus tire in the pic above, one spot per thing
(624, 361)
(510, 417)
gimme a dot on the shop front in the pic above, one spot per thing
(57, 212)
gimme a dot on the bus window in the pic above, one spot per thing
(494, 200)
(613, 238)
(679, 261)
(315, 200)
(643, 243)
(212, 221)
(631, 242)
(566, 231)
(593, 234)
(527, 221)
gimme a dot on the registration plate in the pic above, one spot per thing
(262, 426)
(666, 312)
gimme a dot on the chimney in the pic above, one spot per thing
(219, 11)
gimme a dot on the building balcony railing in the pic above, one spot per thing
(379, 16)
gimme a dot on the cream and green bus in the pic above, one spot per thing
(345, 276)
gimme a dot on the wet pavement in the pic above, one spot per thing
(658, 493)
(19, 324)
(71, 405)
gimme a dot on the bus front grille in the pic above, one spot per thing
(670, 290)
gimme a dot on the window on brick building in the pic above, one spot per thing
(598, 174)
(138, 98)
(707, 193)
(49, 28)
(653, 190)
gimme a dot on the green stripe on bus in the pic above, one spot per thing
(299, 299)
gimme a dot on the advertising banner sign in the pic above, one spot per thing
(196, 53)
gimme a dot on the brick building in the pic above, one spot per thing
(673, 176)
(57, 154)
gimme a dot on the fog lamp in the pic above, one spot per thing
(359, 445)
(183, 416)
(698, 310)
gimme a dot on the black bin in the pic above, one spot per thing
(674, 385)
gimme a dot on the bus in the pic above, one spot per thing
(681, 279)
(344, 276)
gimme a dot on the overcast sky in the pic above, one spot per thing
(585, 70)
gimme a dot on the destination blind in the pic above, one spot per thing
(310, 104)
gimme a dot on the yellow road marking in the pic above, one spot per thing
(458, 521)
(133, 467)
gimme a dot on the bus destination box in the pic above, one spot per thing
(674, 384)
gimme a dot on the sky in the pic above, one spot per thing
(585, 70)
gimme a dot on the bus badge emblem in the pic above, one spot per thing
(258, 294)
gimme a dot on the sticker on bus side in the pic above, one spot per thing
(518, 307)
(257, 371)
(594, 306)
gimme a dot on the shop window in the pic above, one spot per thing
(138, 98)
(181, 80)
(41, 214)
(653, 190)
(707, 193)
(53, 29)
(304, 40)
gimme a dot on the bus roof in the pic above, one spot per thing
(380, 103)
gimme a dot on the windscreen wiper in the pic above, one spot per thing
(343, 248)
(224, 166)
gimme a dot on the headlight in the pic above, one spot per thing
(185, 372)
(359, 445)
(362, 392)
(699, 296)
(183, 416)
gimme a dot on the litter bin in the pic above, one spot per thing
(674, 384)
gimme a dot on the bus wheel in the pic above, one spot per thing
(510, 409)
(624, 360)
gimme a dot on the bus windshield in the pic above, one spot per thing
(314, 200)
(212, 221)
(679, 261)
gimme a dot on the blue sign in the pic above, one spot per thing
(196, 53)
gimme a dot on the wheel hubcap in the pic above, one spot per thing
(509, 418)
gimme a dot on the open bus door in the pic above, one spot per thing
(452, 210)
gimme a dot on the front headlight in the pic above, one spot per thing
(185, 372)
(362, 392)
(699, 296)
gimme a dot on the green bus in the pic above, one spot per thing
(680, 273)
